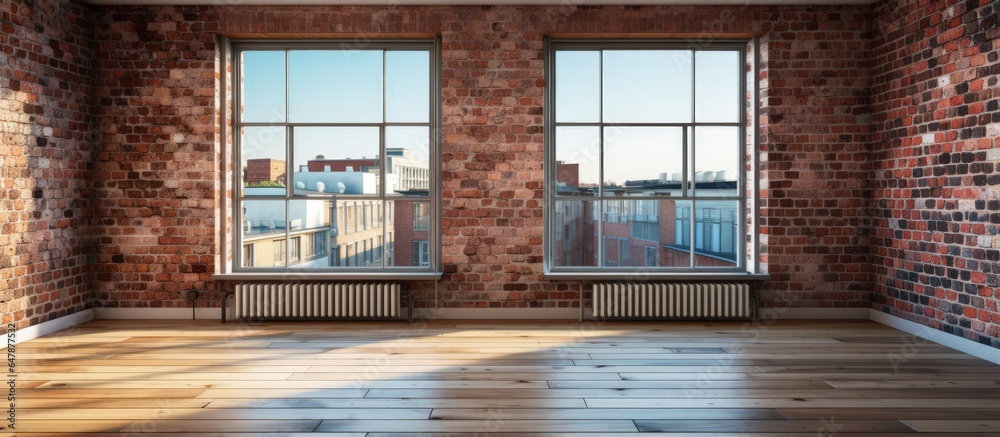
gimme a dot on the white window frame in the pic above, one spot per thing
(743, 199)
(233, 268)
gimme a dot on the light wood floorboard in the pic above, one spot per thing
(525, 379)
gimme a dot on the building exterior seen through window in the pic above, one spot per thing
(646, 155)
(335, 155)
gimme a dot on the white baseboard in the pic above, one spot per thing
(45, 328)
(158, 313)
(786, 313)
(970, 347)
(496, 313)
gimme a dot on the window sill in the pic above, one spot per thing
(326, 276)
(621, 276)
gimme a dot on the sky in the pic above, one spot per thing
(633, 86)
(646, 86)
(335, 86)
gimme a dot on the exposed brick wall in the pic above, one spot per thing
(45, 149)
(157, 172)
(155, 160)
(815, 151)
(936, 203)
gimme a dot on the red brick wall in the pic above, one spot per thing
(340, 164)
(264, 169)
(814, 144)
(936, 203)
(45, 148)
(155, 160)
(157, 170)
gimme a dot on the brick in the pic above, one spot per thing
(966, 247)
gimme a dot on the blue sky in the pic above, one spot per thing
(646, 86)
(335, 86)
(639, 86)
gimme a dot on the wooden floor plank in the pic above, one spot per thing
(694, 383)
(278, 393)
(944, 412)
(185, 426)
(222, 414)
(682, 393)
(86, 393)
(779, 403)
(71, 426)
(905, 384)
(954, 426)
(74, 403)
(817, 427)
(486, 425)
(304, 385)
(609, 413)
(395, 403)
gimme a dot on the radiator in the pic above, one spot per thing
(672, 301)
(318, 301)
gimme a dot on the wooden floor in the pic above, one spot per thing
(568, 379)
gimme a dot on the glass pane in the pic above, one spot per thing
(407, 150)
(336, 160)
(647, 86)
(643, 161)
(407, 86)
(578, 86)
(578, 157)
(717, 158)
(262, 151)
(716, 229)
(575, 232)
(356, 233)
(335, 86)
(309, 230)
(407, 235)
(421, 216)
(263, 235)
(263, 87)
(644, 233)
(717, 86)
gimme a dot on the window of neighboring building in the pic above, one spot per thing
(329, 138)
(278, 247)
(638, 135)
(421, 253)
(296, 249)
(652, 260)
(319, 243)
(421, 216)
(248, 255)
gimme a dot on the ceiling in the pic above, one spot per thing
(480, 2)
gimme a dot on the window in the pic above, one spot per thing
(296, 250)
(328, 138)
(682, 228)
(652, 260)
(248, 255)
(421, 253)
(319, 245)
(646, 230)
(421, 216)
(279, 252)
(638, 135)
